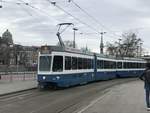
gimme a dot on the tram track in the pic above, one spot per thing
(56, 101)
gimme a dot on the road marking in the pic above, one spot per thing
(94, 102)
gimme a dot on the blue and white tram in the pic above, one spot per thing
(63, 68)
(105, 68)
(130, 67)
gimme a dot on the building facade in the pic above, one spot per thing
(14, 54)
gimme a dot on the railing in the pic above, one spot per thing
(16, 76)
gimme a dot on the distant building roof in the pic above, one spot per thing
(7, 37)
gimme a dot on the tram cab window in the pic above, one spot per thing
(45, 63)
(74, 63)
(58, 64)
(67, 63)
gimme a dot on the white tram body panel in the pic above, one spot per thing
(63, 68)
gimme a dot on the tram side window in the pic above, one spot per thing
(112, 65)
(92, 64)
(100, 64)
(74, 63)
(119, 65)
(58, 64)
(128, 65)
(139, 65)
(143, 65)
(125, 65)
(136, 65)
(131, 65)
(84, 63)
(67, 63)
(106, 65)
(80, 63)
(89, 63)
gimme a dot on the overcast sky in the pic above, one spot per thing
(37, 26)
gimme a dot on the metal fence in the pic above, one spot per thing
(16, 76)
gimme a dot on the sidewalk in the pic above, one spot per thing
(126, 98)
(14, 86)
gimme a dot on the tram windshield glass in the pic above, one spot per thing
(45, 63)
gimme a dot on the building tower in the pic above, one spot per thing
(7, 37)
(102, 43)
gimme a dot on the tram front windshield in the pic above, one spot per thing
(45, 63)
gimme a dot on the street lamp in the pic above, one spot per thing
(1, 4)
(74, 44)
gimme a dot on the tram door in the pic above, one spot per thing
(95, 66)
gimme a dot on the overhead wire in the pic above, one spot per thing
(24, 9)
(37, 9)
(93, 18)
(77, 19)
(28, 4)
(1, 4)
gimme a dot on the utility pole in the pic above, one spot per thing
(74, 31)
(102, 43)
(118, 52)
(1, 4)
(137, 51)
(141, 49)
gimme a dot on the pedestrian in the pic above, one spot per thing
(146, 78)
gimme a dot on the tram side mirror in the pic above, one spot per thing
(1, 6)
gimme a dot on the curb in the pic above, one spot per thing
(15, 92)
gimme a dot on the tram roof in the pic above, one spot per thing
(49, 49)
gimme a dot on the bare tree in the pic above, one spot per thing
(111, 49)
(128, 46)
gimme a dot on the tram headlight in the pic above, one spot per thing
(58, 77)
(44, 77)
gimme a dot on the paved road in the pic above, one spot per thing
(124, 98)
(56, 101)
